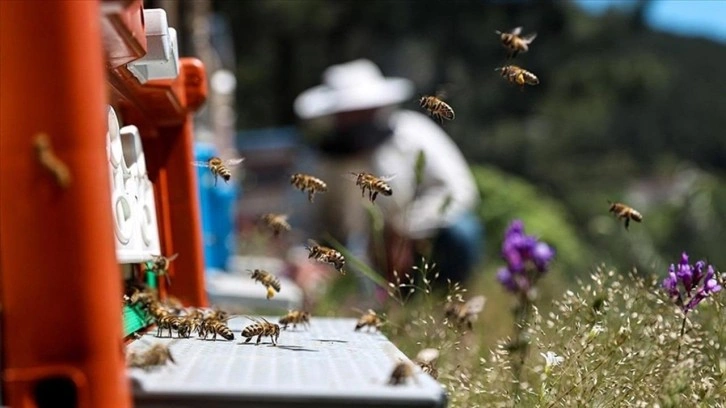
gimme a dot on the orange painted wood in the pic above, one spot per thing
(61, 285)
(176, 191)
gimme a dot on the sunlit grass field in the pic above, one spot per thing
(615, 333)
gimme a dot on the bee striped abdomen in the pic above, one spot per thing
(437, 108)
(312, 185)
(222, 330)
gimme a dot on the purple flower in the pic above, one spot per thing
(695, 285)
(527, 259)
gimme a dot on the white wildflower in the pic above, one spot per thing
(594, 331)
(551, 360)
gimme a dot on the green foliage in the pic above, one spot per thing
(505, 197)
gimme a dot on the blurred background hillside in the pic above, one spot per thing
(623, 112)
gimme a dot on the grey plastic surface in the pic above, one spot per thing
(234, 288)
(327, 365)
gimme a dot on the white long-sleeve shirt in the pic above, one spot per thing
(445, 174)
(341, 210)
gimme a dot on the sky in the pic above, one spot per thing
(696, 18)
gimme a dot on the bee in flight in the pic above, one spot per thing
(155, 356)
(425, 359)
(625, 212)
(276, 222)
(465, 314)
(515, 42)
(270, 281)
(369, 319)
(373, 184)
(436, 107)
(306, 182)
(401, 373)
(219, 167)
(261, 328)
(159, 266)
(295, 317)
(326, 255)
(519, 76)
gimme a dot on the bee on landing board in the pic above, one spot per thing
(369, 319)
(515, 42)
(268, 280)
(155, 356)
(159, 266)
(309, 184)
(401, 373)
(373, 184)
(261, 328)
(625, 212)
(214, 326)
(276, 222)
(219, 167)
(465, 314)
(425, 359)
(327, 255)
(436, 107)
(517, 75)
(295, 317)
(167, 322)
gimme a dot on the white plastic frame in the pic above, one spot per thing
(132, 194)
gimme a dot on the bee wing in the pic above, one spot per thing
(234, 162)
(475, 305)
(252, 318)
(427, 355)
(529, 38)
(351, 175)
(516, 30)
(172, 257)
(312, 243)
(388, 177)
(200, 164)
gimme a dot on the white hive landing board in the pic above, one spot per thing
(326, 365)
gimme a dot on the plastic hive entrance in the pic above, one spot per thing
(326, 365)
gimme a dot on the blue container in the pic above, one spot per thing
(217, 204)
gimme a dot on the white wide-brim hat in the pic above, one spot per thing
(351, 86)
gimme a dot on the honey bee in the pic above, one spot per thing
(295, 317)
(425, 359)
(436, 107)
(519, 76)
(306, 182)
(219, 167)
(326, 255)
(373, 184)
(261, 328)
(270, 281)
(214, 326)
(187, 325)
(166, 321)
(159, 266)
(515, 42)
(625, 212)
(276, 222)
(401, 373)
(157, 355)
(369, 319)
(465, 313)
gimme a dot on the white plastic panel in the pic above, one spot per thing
(327, 365)
(162, 57)
(132, 194)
